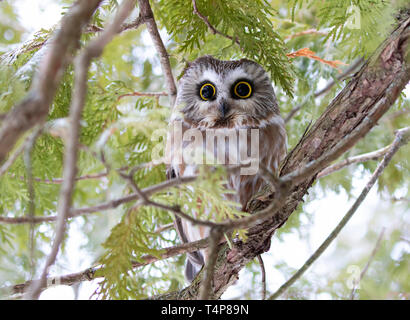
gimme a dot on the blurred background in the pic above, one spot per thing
(129, 64)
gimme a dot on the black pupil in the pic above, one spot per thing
(242, 90)
(207, 91)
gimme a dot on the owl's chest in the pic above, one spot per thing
(190, 147)
(245, 149)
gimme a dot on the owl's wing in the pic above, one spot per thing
(195, 260)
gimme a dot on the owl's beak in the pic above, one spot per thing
(223, 109)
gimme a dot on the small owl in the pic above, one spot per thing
(224, 100)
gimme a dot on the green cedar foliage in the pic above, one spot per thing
(123, 129)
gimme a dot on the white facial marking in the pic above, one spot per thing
(212, 76)
(234, 75)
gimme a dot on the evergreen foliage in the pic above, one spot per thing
(122, 128)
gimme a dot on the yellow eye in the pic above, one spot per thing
(242, 89)
(207, 91)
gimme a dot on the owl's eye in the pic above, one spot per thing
(207, 91)
(242, 89)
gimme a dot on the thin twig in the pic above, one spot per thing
(177, 211)
(90, 273)
(148, 17)
(210, 26)
(342, 146)
(132, 25)
(404, 199)
(306, 32)
(142, 94)
(33, 44)
(79, 178)
(146, 201)
(81, 66)
(112, 204)
(329, 86)
(164, 228)
(269, 177)
(372, 255)
(402, 137)
(262, 265)
(374, 155)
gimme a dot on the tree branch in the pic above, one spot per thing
(340, 77)
(33, 44)
(263, 272)
(143, 94)
(148, 17)
(306, 32)
(362, 274)
(210, 26)
(34, 107)
(402, 138)
(206, 288)
(374, 155)
(7, 164)
(89, 274)
(82, 64)
(112, 204)
(359, 106)
(163, 228)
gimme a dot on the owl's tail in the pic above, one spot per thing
(193, 265)
(195, 259)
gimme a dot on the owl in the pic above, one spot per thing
(226, 100)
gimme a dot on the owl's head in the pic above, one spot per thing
(215, 93)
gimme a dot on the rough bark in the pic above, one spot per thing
(363, 101)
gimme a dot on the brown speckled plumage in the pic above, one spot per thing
(259, 111)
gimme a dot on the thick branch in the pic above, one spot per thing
(350, 116)
(82, 63)
(148, 17)
(34, 108)
(34, 44)
(8, 163)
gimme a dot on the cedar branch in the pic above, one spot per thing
(81, 65)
